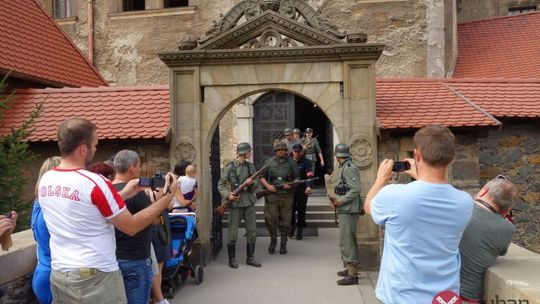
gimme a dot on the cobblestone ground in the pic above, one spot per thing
(306, 274)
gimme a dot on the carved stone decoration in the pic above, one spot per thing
(248, 9)
(357, 38)
(362, 151)
(185, 151)
(299, 8)
(269, 4)
(187, 42)
(271, 39)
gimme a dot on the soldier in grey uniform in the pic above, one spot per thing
(243, 205)
(297, 136)
(288, 140)
(348, 205)
(312, 149)
(278, 203)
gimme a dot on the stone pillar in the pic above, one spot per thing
(435, 38)
(187, 143)
(244, 116)
(359, 96)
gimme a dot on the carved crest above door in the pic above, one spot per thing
(271, 23)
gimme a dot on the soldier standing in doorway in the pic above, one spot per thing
(313, 148)
(297, 136)
(278, 203)
(288, 140)
(243, 205)
(301, 193)
(346, 199)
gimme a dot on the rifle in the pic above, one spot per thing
(309, 142)
(225, 204)
(264, 192)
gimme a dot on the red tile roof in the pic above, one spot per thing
(414, 103)
(503, 97)
(143, 112)
(118, 112)
(35, 48)
(503, 47)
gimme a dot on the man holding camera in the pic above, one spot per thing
(424, 221)
(81, 209)
(243, 205)
(133, 252)
(487, 235)
(348, 205)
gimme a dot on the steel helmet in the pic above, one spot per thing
(287, 131)
(309, 130)
(243, 148)
(280, 146)
(296, 130)
(342, 150)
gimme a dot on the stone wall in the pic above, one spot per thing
(514, 151)
(127, 43)
(470, 10)
(464, 171)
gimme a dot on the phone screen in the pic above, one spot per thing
(400, 166)
(144, 182)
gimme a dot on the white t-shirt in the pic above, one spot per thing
(187, 186)
(77, 206)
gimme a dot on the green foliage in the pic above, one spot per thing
(15, 158)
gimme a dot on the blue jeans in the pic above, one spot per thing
(137, 279)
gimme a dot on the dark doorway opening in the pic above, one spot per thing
(275, 111)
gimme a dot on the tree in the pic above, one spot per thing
(15, 158)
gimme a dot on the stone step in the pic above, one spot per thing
(320, 223)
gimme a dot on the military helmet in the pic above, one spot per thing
(243, 148)
(280, 146)
(287, 131)
(296, 130)
(342, 150)
(309, 130)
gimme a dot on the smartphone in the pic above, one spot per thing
(145, 181)
(8, 214)
(400, 166)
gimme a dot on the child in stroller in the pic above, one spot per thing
(179, 267)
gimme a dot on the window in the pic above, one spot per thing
(176, 3)
(521, 10)
(62, 9)
(133, 5)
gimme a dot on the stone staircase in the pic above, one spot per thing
(318, 212)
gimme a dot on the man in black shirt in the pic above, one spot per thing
(301, 192)
(133, 252)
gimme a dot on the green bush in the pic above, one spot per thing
(15, 159)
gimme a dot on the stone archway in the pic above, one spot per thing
(292, 49)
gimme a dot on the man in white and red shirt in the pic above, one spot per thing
(81, 210)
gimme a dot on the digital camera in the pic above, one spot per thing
(154, 182)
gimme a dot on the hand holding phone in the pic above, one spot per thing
(8, 214)
(400, 166)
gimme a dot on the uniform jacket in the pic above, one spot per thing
(237, 173)
(304, 169)
(351, 201)
(281, 170)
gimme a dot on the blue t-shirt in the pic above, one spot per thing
(41, 235)
(424, 224)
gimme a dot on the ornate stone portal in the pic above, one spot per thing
(274, 45)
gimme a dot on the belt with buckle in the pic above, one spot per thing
(85, 273)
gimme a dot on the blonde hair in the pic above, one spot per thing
(191, 170)
(48, 164)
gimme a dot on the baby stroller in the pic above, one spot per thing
(178, 268)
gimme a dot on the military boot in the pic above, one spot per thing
(343, 273)
(232, 255)
(273, 243)
(283, 245)
(351, 278)
(250, 260)
(299, 232)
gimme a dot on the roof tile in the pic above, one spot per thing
(32, 45)
(499, 47)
